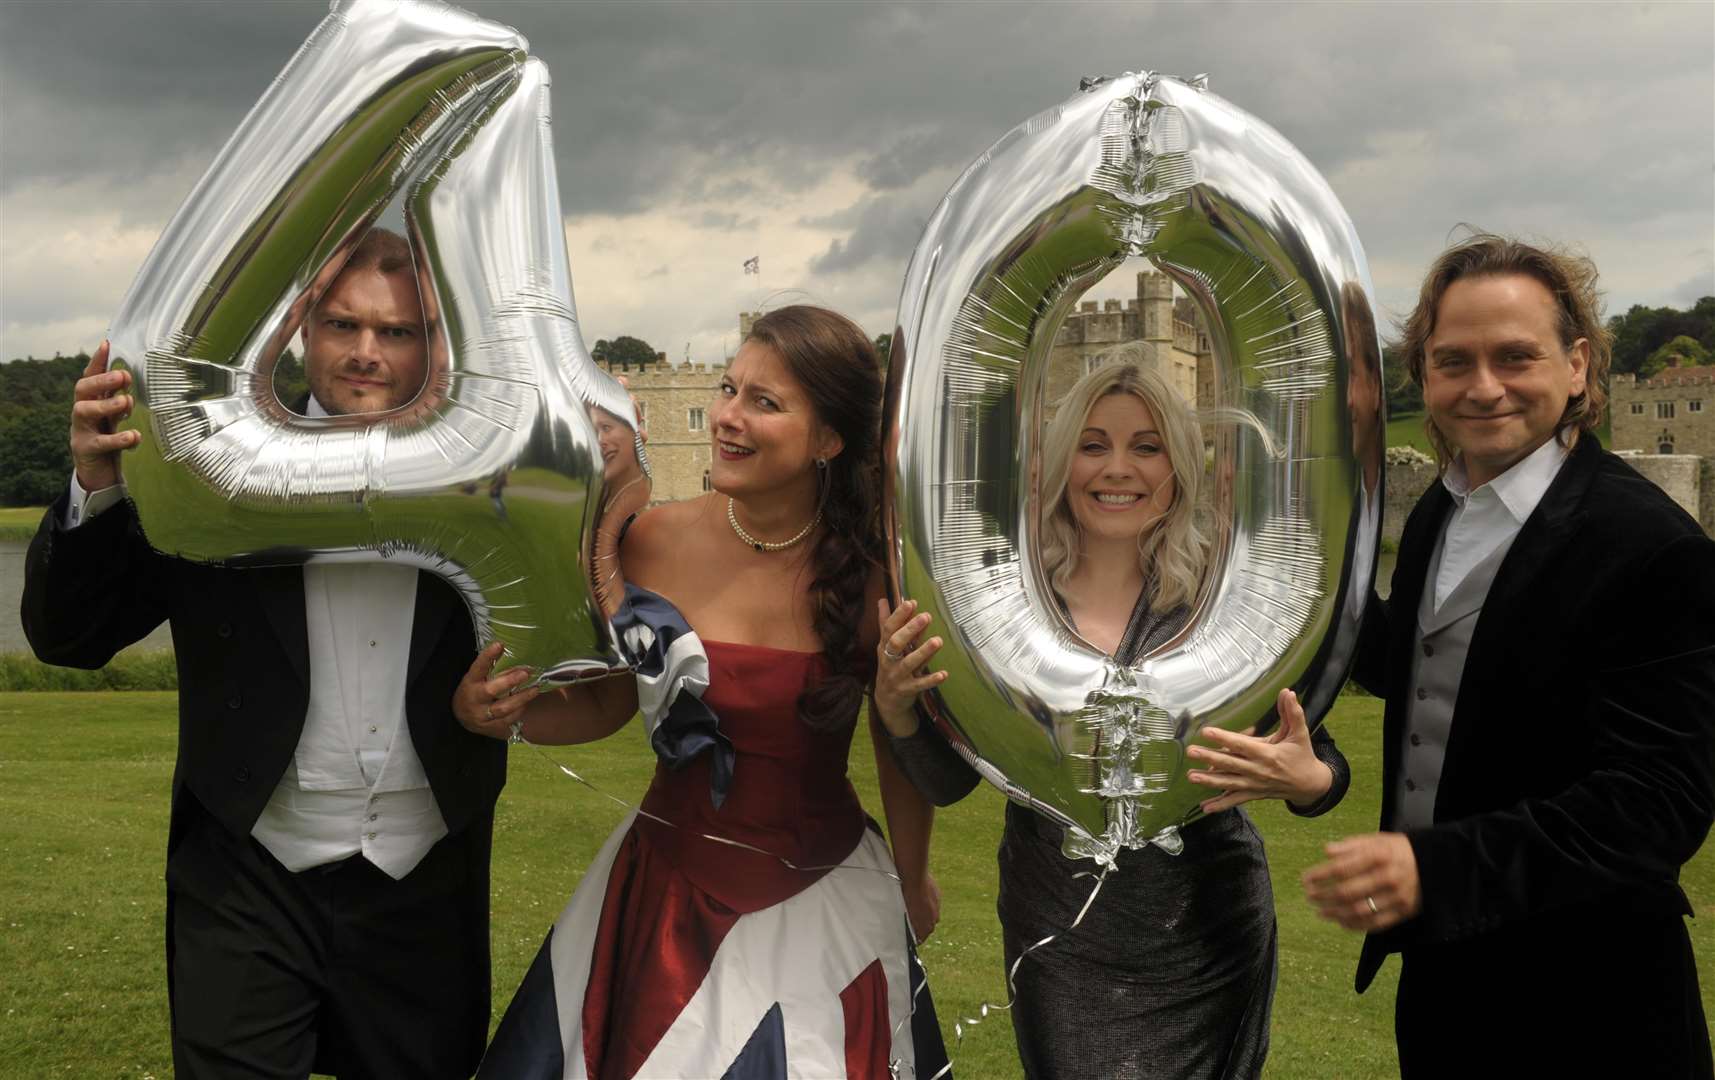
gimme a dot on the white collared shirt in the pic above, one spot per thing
(355, 783)
(1493, 514)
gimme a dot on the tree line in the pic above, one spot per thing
(35, 395)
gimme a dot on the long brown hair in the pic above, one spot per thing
(835, 362)
(1568, 277)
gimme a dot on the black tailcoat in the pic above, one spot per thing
(242, 651)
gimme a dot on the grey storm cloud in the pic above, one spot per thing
(880, 227)
(1587, 122)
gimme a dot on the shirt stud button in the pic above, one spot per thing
(372, 817)
(370, 835)
(1410, 785)
(1428, 649)
(1416, 740)
(373, 729)
(372, 644)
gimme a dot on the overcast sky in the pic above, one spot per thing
(819, 136)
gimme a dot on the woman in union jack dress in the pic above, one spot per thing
(748, 921)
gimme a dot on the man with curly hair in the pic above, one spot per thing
(1547, 655)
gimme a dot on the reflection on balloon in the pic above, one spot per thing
(1157, 167)
(492, 476)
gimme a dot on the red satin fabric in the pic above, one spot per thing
(672, 895)
(653, 946)
(789, 795)
(865, 1006)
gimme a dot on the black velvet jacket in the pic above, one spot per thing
(1580, 767)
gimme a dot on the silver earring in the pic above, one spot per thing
(822, 463)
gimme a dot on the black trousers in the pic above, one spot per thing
(1610, 997)
(338, 969)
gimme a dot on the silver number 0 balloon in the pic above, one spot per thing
(1136, 165)
(491, 477)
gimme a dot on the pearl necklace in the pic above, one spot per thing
(760, 545)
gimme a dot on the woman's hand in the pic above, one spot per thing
(1245, 767)
(922, 905)
(899, 661)
(488, 706)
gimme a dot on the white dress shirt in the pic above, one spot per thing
(355, 783)
(1493, 514)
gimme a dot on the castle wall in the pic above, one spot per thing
(1706, 495)
(1676, 474)
(1636, 408)
(1405, 484)
(668, 394)
(1148, 322)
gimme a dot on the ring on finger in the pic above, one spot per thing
(887, 651)
(1370, 900)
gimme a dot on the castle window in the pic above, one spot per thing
(1694, 405)
(695, 419)
(1664, 447)
(1664, 410)
(1637, 408)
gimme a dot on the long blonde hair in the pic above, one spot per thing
(1173, 554)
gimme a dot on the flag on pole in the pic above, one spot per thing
(753, 265)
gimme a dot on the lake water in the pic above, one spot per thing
(12, 593)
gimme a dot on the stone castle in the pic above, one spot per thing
(675, 398)
(1165, 332)
(1665, 426)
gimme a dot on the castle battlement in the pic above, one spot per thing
(1673, 376)
(1149, 319)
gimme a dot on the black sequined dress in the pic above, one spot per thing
(1171, 974)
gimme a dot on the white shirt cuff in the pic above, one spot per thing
(84, 505)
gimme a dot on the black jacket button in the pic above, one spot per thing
(224, 629)
(234, 701)
(241, 774)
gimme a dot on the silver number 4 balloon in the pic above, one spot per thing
(492, 476)
(1137, 165)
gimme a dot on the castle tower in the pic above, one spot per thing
(1155, 305)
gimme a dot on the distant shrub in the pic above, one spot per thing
(144, 670)
(1407, 455)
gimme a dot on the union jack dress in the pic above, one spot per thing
(685, 956)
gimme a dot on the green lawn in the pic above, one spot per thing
(1407, 430)
(84, 783)
(19, 522)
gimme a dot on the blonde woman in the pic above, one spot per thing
(1172, 972)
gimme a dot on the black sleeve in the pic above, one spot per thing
(1369, 669)
(92, 590)
(934, 768)
(1328, 754)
